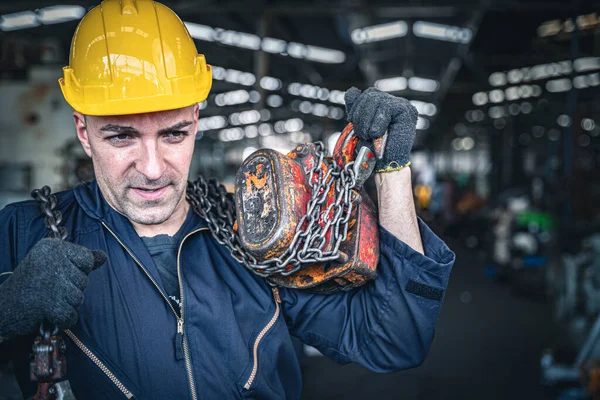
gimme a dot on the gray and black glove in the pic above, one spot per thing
(47, 285)
(374, 112)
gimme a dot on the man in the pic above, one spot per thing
(155, 307)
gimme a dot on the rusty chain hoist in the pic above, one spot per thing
(210, 200)
(292, 215)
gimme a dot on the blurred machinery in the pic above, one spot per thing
(76, 166)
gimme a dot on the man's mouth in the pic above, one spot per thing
(150, 193)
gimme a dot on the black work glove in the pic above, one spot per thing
(47, 285)
(374, 112)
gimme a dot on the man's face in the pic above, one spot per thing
(141, 161)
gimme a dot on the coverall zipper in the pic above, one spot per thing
(260, 336)
(186, 352)
(180, 320)
(99, 363)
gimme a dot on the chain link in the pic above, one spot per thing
(53, 217)
(319, 233)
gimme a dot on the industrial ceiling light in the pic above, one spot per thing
(377, 33)
(549, 28)
(559, 85)
(544, 71)
(251, 131)
(526, 107)
(424, 108)
(496, 96)
(275, 46)
(239, 39)
(391, 84)
(265, 129)
(457, 144)
(218, 73)
(200, 32)
(588, 124)
(323, 55)
(480, 98)
(468, 143)
(430, 30)
(593, 79)
(496, 112)
(208, 123)
(337, 96)
(270, 83)
(422, 123)
(233, 76)
(20, 20)
(564, 120)
(315, 92)
(423, 84)
(554, 27)
(274, 101)
(580, 82)
(515, 76)
(587, 64)
(296, 50)
(294, 125)
(270, 45)
(512, 93)
(335, 113)
(57, 14)
(232, 98)
(245, 117)
(47, 15)
(497, 79)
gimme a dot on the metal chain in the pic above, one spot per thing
(53, 217)
(48, 385)
(319, 233)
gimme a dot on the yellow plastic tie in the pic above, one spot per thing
(393, 166)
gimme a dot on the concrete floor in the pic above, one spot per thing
(487, 346)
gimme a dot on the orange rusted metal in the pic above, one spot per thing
(361, 248)
(345, 147)
(275, 190)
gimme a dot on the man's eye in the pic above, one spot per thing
(176, 135)
(119, 138)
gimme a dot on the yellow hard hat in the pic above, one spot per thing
(133, 56)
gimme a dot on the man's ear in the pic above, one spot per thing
(196, 117)
(82, 132)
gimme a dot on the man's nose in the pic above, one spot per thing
(151, 162)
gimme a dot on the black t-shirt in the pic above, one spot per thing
(163, 249)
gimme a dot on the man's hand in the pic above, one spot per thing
(47, 285)
(372, 113)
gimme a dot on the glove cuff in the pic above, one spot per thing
(393, 166)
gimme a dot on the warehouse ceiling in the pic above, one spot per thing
(436, 53)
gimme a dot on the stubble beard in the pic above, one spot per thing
(148, 212)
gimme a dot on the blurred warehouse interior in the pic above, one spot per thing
(506, 163)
